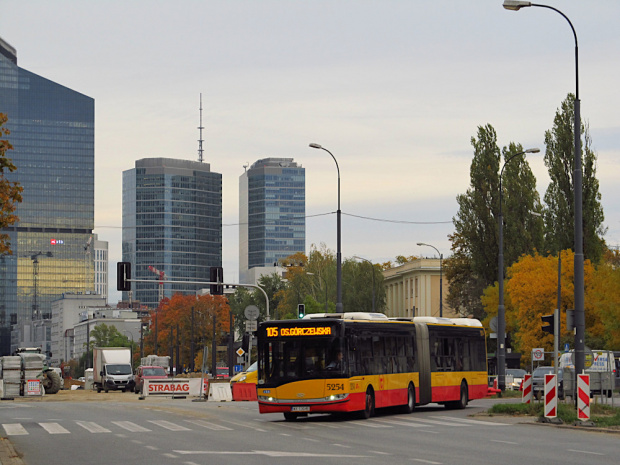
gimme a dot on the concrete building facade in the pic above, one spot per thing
(412, 289)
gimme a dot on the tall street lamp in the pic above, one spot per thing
(501, 311)
(440, 277)
(580, 322)
(338, 237)
(372, 270)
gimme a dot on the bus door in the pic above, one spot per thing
(424, 364)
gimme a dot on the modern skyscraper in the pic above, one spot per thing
(52, 132)
(272, 214)
(172, 222)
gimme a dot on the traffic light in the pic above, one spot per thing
(216, 275)
(245, 342)
(301, 310)
(550, 320)
(570, 319)
(123, 275)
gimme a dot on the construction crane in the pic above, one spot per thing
(35, 272)
(162, 278)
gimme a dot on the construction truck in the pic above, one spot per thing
(50, 376)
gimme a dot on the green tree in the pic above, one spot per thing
(108, 336)
(559, 198)
(521, 209)
(10, 192)
(475, 242)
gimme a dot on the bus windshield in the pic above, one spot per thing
(290, 359)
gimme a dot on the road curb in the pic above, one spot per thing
(8, 454)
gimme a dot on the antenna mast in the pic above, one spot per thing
(201, 128)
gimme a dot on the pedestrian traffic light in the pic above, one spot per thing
(216, 275)
(301, 310)
(548, 323)
(123, 275)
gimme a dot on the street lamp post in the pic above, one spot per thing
(580, 322)
(338, 237)
(440, 277)
(501, 310)
(372, 270)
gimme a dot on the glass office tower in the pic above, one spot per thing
(172, 222)
(52, 132)
(272, 213)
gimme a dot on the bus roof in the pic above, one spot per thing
(382, 317)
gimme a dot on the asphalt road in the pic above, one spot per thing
(179, 431)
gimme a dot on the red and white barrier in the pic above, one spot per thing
(583, 397)
(526, 387)
(551, 396)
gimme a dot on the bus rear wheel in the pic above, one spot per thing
(369, 408)
(463, 399)
(410, 405)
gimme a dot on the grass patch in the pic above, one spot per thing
(602, 415)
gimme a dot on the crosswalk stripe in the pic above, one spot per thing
(437, 422)
(129, 426)
(475, 422)
(370, 424)
(411, 424)
(14, 429)
(92, 427)
(54, 428)
(169, 425)
(211, 426)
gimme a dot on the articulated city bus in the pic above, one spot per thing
(356, 362)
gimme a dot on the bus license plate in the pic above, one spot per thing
(300, 409)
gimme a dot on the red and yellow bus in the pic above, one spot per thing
(356, 362)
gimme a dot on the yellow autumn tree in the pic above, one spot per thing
(604, 299)
(531, 290)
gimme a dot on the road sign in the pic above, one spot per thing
(251, 312)
(493, 324)
(538, 355)
(251, 326)
(240, 352)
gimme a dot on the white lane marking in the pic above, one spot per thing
(474, 422)
(268, 453)
(585, 452)
(152, 447)
(92, 427)
(208, 425)
(130, 426)
(14, 429)
(378, 452)
(170, 456)
(427, 461)
(169, 425)
(503, 442)
(54, 428)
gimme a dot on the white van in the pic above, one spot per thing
(602, 371)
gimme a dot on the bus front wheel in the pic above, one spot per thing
(290, 416)
(369, 408)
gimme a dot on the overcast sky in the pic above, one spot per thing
(394, 89)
